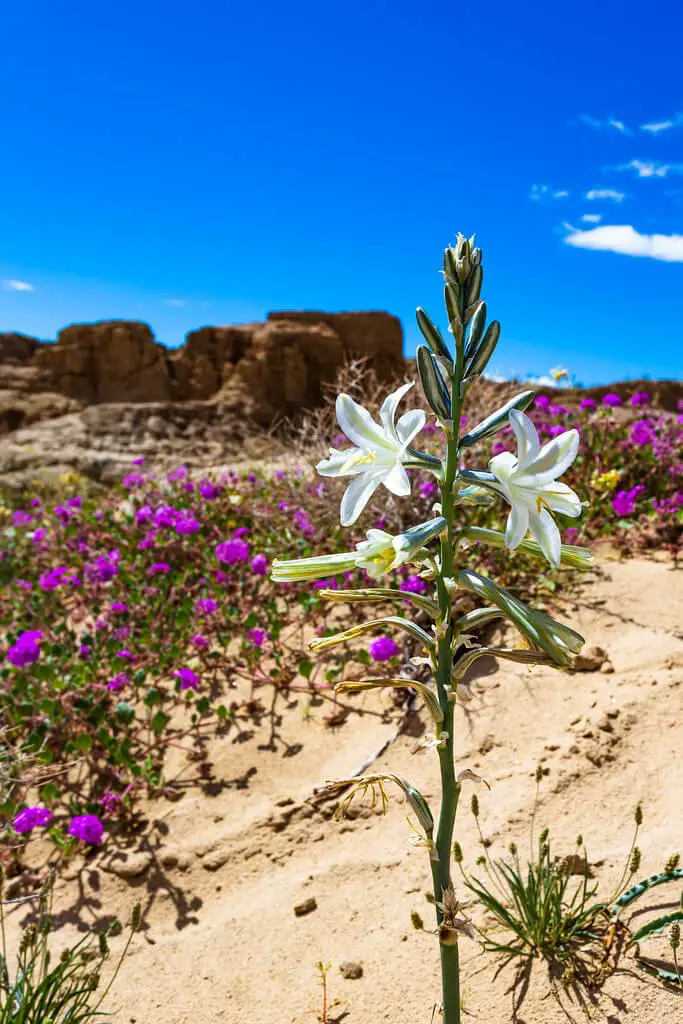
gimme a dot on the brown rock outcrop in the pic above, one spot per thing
(110, 361)
(378, 336)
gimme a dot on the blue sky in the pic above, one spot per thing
(187, 164)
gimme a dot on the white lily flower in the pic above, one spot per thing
(379, 453)
(528, 481)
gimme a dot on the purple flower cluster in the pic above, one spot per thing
(383, 648)
(189, 680)
(228, 552)
(624, 502)
(87, 828)
(26, 650)
(413, 585)
(30, 818)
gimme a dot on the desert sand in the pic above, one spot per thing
(220, 870)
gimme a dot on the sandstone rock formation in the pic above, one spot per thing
(272, 368)
(105, 392)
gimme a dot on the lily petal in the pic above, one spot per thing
(528, 445)
(562, 498)
(358, 424)
(517, 525)
(553, 459)
(387, 413)
(344, 463)
(410, 424)
(397, 480)
(546, 534)
(503, 466)
(356, 496)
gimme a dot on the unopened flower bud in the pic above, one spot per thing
(543, 836)
(638, 815)
(416, 921)
(675, 937)
(457, 852)
(475, 805)
(634, 864)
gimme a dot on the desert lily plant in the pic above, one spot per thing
(381, 454)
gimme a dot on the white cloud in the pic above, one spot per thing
(540, 192)
(606, 193)
(17, 286)
(592, 218)
(609, 122)
(655, 127)
(176, 303)
(546, 381)
(623, 238)
(650, 168)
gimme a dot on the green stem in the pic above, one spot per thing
(450, 789)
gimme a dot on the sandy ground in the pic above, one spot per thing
(221, 870)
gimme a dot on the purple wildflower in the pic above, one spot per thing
(414, 585)
(230, 551)
(26, 650)
(187, 524)
(588, 403)
(110, 800)
(200, 641)
(257, 637)
(86, 827)
(189, 680)
(640, 398)
(259, 565)
(118, 608)
(30, 818)
(140, 459)
(611, 400)
(118, 682)
(133, 480)
(144, 514)
(53, 578)
(206, 606)
(543, 402)
(624, 502)
(208, 490)
(158, 567)
(383, 648)
(21, 518)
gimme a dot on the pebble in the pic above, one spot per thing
(135, 865)
(352, 970)
(307, 907)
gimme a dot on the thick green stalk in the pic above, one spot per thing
(450, 789)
